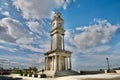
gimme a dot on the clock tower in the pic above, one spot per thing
(57, 59)
(57, 32)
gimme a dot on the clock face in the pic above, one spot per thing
(54, 25)
(59, 25)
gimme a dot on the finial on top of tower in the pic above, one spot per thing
(57, 15)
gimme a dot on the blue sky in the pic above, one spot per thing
(92, 32)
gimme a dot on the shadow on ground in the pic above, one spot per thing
(9, 78)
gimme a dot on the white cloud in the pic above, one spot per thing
(92, 35)
(66, 4)
(82, 28)
(96, 49)
(35, 26)
(32, 48)
(41, 47)
(22, 62)
(3, 60)
(90, 50)
(8, 48)
(36, 58)
(15, 61)
(6, 13)
(24, 40)
(11, 30)
(6, 4)
(38, 9)
(0, 9)
(91, 39)
(92, 43)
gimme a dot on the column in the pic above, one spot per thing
(52, 62)
(66, 63)
(46, 63)
(63, 43)
(51, 42)
(59, 62)
(70, 62)
(55, 68)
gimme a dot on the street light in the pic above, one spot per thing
(108, 63)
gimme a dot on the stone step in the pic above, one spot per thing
(65, 73)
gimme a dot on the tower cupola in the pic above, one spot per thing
(57, 21)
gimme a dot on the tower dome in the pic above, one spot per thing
(57, 15)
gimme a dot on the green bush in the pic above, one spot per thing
(21, 74)
(30, 74)
(25, 74)
(43, 75)
(15, 72)
(35, 75)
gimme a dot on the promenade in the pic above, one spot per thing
(109, 76)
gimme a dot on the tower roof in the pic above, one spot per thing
(57, 16)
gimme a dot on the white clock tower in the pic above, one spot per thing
(57, 59)
(57, 32)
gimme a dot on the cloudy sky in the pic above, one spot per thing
(92, 32)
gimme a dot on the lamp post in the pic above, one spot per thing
(108, 63)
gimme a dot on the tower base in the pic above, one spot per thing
(60, 73)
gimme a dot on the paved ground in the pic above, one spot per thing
(111, 76)
(9, 78)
